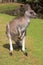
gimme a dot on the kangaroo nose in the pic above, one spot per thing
(36, 15)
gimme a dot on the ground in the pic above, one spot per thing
(34, 44)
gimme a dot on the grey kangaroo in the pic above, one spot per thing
(16, 29)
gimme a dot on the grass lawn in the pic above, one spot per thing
(9, 7)
(34, 44)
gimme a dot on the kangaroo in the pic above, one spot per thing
(16, 29)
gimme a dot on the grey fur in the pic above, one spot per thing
(16, 29)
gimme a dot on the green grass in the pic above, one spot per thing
(8, 7)
(34, 44)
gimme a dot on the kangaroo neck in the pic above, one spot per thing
(27, 18)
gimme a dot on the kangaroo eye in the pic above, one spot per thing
(31, 12)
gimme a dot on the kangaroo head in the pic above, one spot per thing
(30, 14)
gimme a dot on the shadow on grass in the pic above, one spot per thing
(15, 46)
